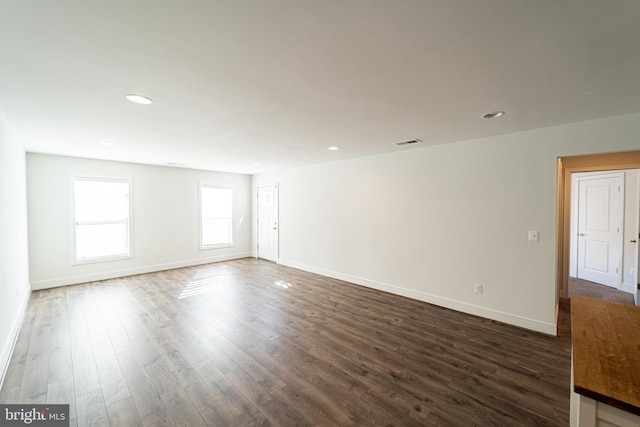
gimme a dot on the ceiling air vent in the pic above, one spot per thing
(411, 141)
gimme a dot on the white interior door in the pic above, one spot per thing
(600, 222)
(268, 223)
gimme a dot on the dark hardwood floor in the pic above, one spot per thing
(251, 343)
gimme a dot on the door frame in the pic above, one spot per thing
(637, 233)
(277, 203)
(566, 166)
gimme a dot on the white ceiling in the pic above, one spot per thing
(276, 82)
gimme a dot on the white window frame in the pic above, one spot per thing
(75, 260)
(202, 185)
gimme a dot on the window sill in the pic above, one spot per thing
(101, 259)
(206, 248)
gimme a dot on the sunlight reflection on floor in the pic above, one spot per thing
(215, 280)
(204, 282)
(282, 284)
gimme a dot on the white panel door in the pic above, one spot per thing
(268, 222)
(600, 222)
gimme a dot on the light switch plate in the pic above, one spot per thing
(533, 236)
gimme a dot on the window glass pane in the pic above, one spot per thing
(101, 200)
(101, 208)
(216, 202)
(94, 241)
(216, 231)
(217, 216)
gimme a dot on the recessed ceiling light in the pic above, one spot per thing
(139, 99)
(334, 148)
(493, 115)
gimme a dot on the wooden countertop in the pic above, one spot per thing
(606, 352)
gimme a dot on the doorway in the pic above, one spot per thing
(610, 162)
(268, 222)
(566, 167)
(597, 227)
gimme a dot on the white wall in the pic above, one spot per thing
(165, 218)
(428, 223)
(14, 264)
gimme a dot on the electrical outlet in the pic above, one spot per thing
(534, 236)
(343, 261)
(632, 271)
(478, 288)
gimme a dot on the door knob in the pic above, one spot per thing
(582, 234)
(633, 241)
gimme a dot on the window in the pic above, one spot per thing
(216, 216)
(102, 225)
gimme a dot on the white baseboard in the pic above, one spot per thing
(629, 288)
(500, 316)
(112, 274)
(632, 289)
(10, 343)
